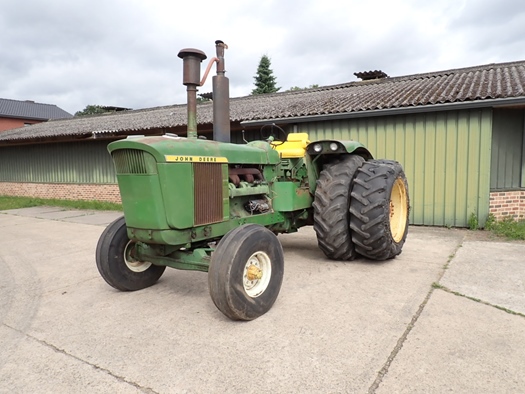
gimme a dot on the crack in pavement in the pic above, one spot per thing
(399, 345)
(97, 367)
(383, 371)
(501, 308)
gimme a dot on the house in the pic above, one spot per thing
(15, 113)
(458, 133)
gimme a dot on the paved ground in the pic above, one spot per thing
(447, 315)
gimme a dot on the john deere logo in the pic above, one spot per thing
(195, 159)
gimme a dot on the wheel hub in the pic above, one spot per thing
(253, 273)
(131, 262)
(257, 273)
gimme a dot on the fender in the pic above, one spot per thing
(334, 147)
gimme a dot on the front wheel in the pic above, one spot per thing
(116, 263)
(379, 209)
(246, 272)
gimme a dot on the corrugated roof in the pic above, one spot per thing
(492, 81)
(31, 110)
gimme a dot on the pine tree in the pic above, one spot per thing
(264, 79)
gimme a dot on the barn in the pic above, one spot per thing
(458, 133)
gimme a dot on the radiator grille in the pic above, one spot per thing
(207, 193)
(132, 161)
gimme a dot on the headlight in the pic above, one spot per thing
(318, 148)
(334, 146)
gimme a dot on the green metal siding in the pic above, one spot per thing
(446, 157)
(508, 163)
(72, 162)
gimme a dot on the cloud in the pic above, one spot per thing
(124, 53)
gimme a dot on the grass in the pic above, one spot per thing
(508, 228)
(8, 202)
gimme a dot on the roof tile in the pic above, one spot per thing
(491, 81)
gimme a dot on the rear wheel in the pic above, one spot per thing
(379, 209)
(117, 264)
(331, 204)
(246, 272)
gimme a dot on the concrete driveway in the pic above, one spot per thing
(447, 315)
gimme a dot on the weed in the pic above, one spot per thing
(473, 222)
(508, 228)
(490, 222)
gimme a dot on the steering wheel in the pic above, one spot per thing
(266, 134)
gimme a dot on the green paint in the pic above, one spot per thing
(177, 193)
(184, 238)
(160, 147)
(290, 196)
(142, 201)
(160, 178)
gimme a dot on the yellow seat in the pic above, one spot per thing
(294, 146)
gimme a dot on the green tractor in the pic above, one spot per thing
(213, 206)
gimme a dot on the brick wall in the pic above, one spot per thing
(510, 203)
(11, 123)
(63, 191)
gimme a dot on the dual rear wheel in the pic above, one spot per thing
(361, 208)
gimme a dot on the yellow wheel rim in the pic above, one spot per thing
(398, 210)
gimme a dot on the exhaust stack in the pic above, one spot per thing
(192, 59)
(191, 76)
(221, 97)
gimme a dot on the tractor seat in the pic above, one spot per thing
(294, 146)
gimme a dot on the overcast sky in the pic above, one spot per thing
(124, 52)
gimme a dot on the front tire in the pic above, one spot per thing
(331, 204)
(379, 209)
(116, 264)
(246, 272)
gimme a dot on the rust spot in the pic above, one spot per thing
(301, 191)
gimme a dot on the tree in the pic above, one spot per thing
(295, 88)
(91, 110)
(264, 79)
(204, 97)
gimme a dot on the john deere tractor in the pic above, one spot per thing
(213, 206)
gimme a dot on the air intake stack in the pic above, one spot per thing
(191, 78)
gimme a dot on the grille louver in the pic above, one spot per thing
(131, 161)
(207, 193)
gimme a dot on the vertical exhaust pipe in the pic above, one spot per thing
(221, 97)
(191, 76)
(192, 59)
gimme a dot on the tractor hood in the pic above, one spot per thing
(172, 149)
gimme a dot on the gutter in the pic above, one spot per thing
(390, 111)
